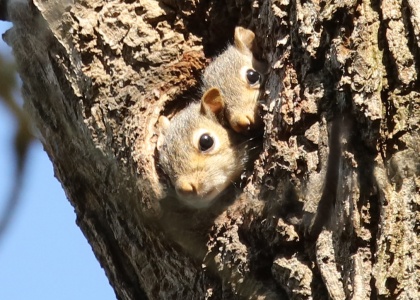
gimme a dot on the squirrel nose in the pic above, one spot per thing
(186, 188)
(243, 123)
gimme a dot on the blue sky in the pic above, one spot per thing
(43, 254)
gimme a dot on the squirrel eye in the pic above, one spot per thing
(253, 76)
(206, 142)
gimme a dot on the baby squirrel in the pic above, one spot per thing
(200, 156)
(238, 75)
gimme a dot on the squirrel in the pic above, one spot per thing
(239, 76)
(200, 156)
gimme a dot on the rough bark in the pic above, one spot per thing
(331, 208)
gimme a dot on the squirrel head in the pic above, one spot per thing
(239, 76)
(199, 155)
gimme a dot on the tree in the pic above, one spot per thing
(331, 207)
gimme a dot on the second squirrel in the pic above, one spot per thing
(238, 75)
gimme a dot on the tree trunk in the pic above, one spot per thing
(331, 207)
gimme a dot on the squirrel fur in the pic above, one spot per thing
(200, 156)
(238, 76)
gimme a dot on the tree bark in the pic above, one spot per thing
(331, 207)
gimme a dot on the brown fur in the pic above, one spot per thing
(200, 177)
(227, 73)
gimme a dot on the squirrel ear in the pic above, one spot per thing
(164, 124)
(212, 100)
(244, 39)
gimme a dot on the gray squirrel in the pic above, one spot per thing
(239, 76)
(200, 156)
(199, 148)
